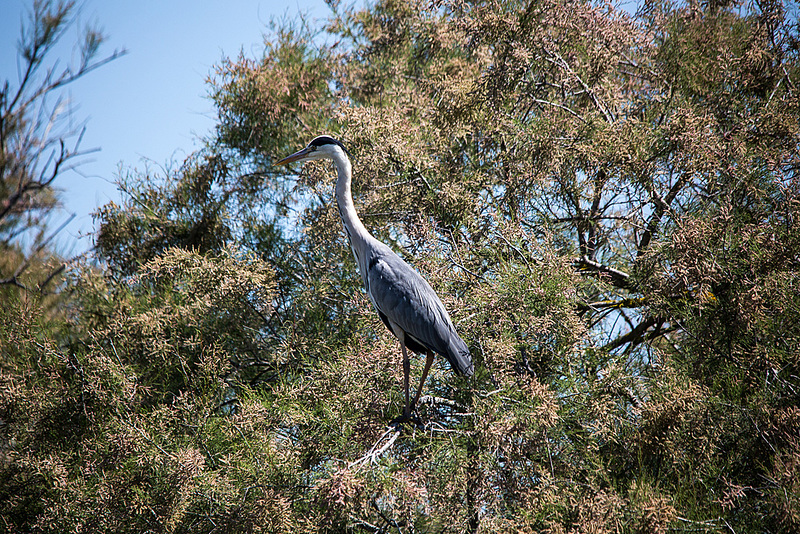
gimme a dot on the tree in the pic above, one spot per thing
(38, 138)
(607, 203)
(658, 153)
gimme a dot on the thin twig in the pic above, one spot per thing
(377, 450)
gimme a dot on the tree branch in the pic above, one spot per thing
(661, 206)
(611, 304)
(600, 180)
(615, 277)
(636, 333)
(639, 333)
(560, 61)
(383, 444)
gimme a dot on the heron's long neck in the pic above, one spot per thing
(356, 231)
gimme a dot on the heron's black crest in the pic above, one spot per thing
(327, 140)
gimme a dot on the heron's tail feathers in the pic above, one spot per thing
(459, 357)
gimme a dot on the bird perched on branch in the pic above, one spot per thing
(406, 303)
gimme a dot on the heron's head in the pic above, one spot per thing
(321, 147)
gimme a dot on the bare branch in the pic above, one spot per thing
(612, 304)
(600, 180)
(58, 270)
(616, 277)
(14, 281)
(661, 207)
(561, 62)
(560, 106)
(383, 444)
(636, 334)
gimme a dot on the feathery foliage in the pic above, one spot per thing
(607, 203)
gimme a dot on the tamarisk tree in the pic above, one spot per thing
(607, 203)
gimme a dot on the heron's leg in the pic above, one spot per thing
(406, 373)
(428, 363)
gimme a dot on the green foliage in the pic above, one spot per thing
(607, 204)
(185, 209)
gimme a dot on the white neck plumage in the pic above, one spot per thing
(353, 226)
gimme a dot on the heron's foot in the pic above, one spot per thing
(407, 419)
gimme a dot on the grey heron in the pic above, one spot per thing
(405, 301)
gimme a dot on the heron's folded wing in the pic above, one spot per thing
(408, 301)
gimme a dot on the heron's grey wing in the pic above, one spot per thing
(406, 299)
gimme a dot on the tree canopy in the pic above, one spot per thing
(608, 203)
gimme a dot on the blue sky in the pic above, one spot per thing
(151, 104)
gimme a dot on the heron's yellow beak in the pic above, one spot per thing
(300, 154)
